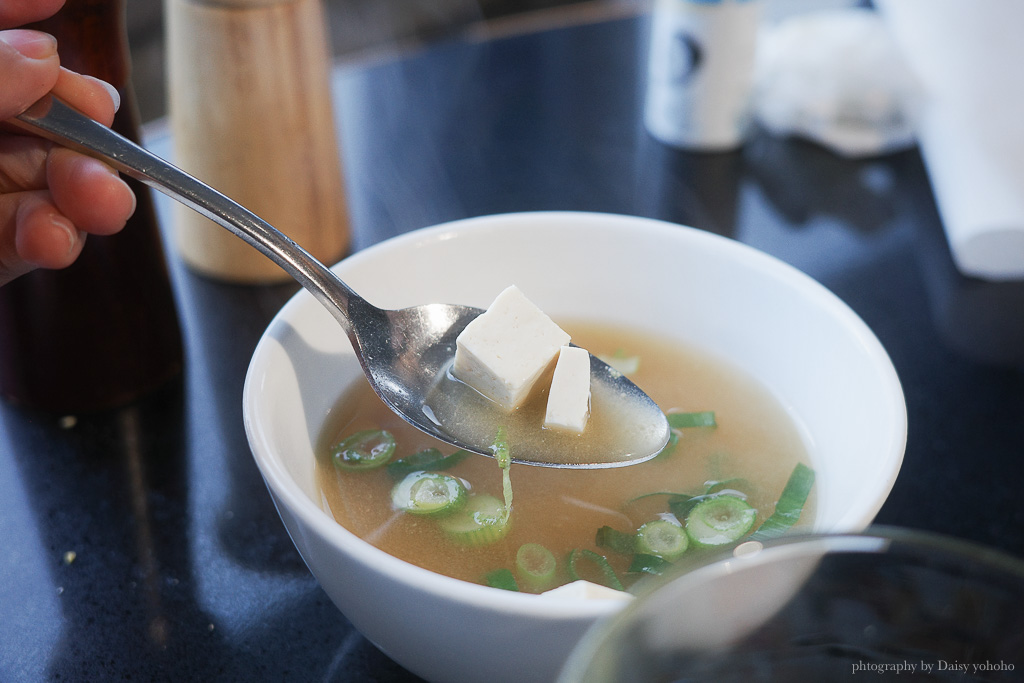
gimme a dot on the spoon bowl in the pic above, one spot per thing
(405, 354)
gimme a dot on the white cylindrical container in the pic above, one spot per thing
(700, 72)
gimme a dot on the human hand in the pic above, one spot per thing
(50, 197)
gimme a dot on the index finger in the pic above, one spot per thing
(95, 98)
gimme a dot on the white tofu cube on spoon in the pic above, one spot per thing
(569, 399)
(504, 351)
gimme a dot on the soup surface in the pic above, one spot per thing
(754, 446)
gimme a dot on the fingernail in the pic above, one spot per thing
(31, 44)
(111, 90)
(135, 202)
(65, 226)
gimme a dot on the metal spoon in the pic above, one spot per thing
(405, 353)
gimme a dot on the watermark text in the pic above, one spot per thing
(925, 667)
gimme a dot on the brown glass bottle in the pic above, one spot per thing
(105, 330)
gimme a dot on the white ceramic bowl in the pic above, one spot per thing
(820, 360)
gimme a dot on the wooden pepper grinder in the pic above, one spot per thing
(103, 331)
(251, 114)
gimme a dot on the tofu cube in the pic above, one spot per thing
(504, 351)
(585, 590)
(569, 398)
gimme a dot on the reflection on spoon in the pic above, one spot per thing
(619, 431)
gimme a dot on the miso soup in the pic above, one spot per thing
(749, 453)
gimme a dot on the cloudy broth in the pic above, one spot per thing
(755, 441)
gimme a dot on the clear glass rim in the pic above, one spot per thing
(877, 539)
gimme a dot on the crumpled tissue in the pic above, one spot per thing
(836, 77)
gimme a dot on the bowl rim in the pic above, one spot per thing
(282, 486)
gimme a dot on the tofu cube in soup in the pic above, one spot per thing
(504, 351)
(568, 406)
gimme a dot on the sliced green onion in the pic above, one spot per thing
(681, 504)
(663, 539)
(719, 520)
(506, 489)
(648, 564)
(736, 483)
(626, 365)
(673, 502)
(790, 506)
(500, 448)
(429, 493)
(536, 566)
(364, 450)
(644, 496)
(427, 460)
(686, 420)
(615, 540)
(501, 578)
(604, 575)
(481, 521)
(670, 447)
(502, 455)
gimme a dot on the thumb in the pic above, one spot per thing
(29, 67)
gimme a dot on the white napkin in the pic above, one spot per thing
(969, 58)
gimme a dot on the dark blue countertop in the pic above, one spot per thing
(140, 543)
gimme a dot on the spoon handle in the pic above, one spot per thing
(52, 119)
